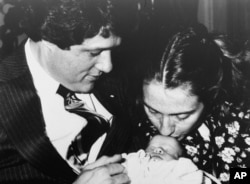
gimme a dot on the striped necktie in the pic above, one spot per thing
(97, 125)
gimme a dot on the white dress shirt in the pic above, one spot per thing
(61, 126)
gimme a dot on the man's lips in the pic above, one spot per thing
(93, 77)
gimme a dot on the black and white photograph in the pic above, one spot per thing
(124, 91)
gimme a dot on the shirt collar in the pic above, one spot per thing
(43, 82)
(46, 85)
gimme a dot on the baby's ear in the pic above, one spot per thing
(176, 156)
(180, 152)
(181, 149)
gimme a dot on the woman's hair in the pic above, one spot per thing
(192, 57)
(67, 22)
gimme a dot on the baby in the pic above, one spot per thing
(161, 163)
(164, 148)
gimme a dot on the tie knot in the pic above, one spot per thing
(64, 92)
(70, 99)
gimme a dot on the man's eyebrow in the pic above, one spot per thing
(98, 49)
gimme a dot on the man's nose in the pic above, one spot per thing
(167, 126)
(105, 63)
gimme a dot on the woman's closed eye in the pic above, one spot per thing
(181, 117)
(152, 111)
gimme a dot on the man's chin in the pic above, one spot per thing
(86, 88)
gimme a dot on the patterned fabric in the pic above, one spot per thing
(97, 126)
(227, 146)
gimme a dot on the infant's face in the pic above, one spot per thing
(164, 148)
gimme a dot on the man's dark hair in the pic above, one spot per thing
(67, 22)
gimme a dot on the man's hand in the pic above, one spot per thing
(105, 170)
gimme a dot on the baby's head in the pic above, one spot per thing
(164, 148)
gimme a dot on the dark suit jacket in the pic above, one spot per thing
(26, 154)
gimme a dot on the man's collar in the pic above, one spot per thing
(42, 80)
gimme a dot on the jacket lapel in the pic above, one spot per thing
(23, 120)
(118, 139)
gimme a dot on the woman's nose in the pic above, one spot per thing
(167, 126)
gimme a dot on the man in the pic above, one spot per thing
(69, 46)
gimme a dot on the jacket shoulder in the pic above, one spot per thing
(14, 65)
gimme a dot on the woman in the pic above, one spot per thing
(196, 94)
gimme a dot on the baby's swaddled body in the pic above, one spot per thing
(144, 169)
